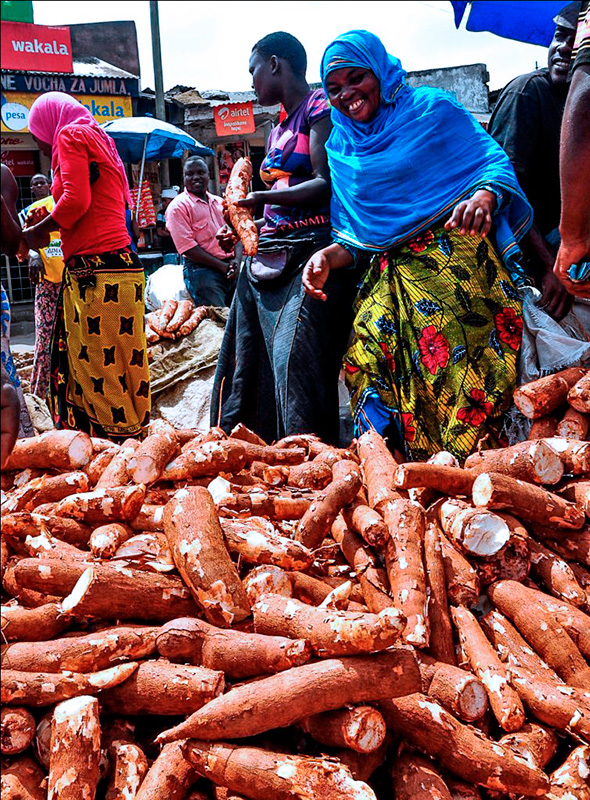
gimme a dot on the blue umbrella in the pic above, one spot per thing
(141, 139)
(525, 21)
(150, 139)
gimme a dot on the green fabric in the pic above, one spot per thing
(437, 333)
(17, 10)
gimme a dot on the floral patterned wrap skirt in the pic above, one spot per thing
(437, 334)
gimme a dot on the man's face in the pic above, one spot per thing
(40, 187)
(196, 178)
(560, 54)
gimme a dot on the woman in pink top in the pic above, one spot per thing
(99, 371)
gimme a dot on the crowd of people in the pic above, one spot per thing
(395, 236)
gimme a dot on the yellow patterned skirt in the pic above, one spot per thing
(100, 380)
(438, 330)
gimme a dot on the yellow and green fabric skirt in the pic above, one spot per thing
(100, 380)
(437, 334)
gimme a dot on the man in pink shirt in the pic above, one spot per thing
(193, 219)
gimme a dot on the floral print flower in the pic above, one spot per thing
(477, 411)
(509, 327)
(389, 359)
(351, 369)
(408, 426)
(421, 241)
(434, 349)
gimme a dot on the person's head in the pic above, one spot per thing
(168, 195)
(51, 112)
(40, 186)
(359, 75)
(277, 61)
(196, 176)
(560, 49)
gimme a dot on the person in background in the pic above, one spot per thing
(100, 379)
(40, 188)
(574, 225)
(526, 122)
(169, 250)
(45, 273)
(193, 219)
(17, 421)
(281, 354)
(417, 186)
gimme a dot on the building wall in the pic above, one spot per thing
(468, 84)
(114, 42)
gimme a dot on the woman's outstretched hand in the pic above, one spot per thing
(315, 275)
(39, 235)
(317, 269)
(473, 216)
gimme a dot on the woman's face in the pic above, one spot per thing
(43, 146)
(355, 92)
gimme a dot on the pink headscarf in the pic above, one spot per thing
(52, 111)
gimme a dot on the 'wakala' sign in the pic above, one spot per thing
(36, 48)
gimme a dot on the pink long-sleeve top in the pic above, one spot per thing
(91, 218)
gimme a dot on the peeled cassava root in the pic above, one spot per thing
(373, 611)
(241, 219)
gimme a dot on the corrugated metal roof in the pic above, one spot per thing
(92, 67)
(88, 67)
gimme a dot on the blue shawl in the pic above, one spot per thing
(407, 167)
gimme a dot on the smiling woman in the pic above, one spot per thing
(417, 187)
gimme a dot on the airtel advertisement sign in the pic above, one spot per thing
(234, 118)
(36, 48)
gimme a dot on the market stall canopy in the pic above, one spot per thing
(525, 21)
(150, 139)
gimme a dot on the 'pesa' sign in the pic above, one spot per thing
(36, 48)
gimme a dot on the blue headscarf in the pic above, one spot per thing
(408, 166)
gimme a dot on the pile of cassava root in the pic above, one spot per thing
(174, 319)
(213, 618)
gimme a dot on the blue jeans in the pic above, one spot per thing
(206, 285)
(282, 351)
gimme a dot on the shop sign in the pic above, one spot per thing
(36, 48)
(20, 162)
(71, 84)
(16, 106)
(234, 118)
(17, 141)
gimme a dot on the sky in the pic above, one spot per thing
(207, 44)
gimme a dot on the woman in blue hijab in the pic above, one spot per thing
(417, 186)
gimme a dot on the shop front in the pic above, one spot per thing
(36, 59)
(232, 128)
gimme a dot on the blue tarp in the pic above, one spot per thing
(525, 21)
(163, 139)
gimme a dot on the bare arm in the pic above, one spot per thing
(9, 418)
(575, 180)
(11, 233)
(555, 298)
(317, 270)
(312, 191)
